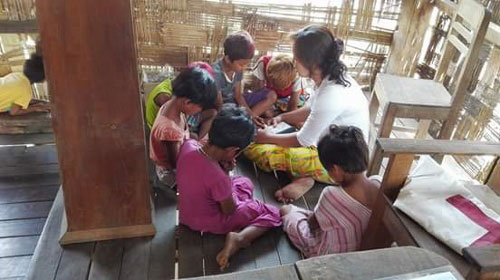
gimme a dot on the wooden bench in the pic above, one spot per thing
(35, 128)
(175, 250)
(397, 263)
(402, 229)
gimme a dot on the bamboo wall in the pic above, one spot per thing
(177, 32)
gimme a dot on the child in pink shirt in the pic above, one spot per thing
(341, 216)
(193, 90)
(212, 201)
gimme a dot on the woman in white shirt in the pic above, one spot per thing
(338, 99)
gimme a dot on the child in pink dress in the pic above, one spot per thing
(193, 90)
(212, 201)
(341, 216)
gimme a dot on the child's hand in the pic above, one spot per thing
(274, 121)
(259, 122)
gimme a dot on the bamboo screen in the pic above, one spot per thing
(177, 32)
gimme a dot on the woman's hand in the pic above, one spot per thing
(262, 136)
(274, 121)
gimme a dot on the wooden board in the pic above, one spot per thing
(14, 267)
(135, 261)
(190, 257)
(369, 264)
(29, 181)
(47, 255)
(36, 138)
(24, 227)
(29, 170)
(17, 246)
(98, 118)
(272, 273)
(18, 26)
(28, 194)
(75, 261)
(106, 261)
(25, 210)
(163, 245)
(28, 155)
(26, 124)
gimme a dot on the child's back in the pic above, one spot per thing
(341, 216)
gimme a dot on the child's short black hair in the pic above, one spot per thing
(239, 45)
(232, 127)
(197, 85)
(344, 146)
(33, 68)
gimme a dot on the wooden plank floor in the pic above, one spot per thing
(175, 251)
(28, 185)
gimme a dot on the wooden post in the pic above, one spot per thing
(90, 61)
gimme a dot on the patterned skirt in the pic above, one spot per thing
(298, 162)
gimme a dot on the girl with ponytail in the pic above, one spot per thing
(342, 213)
(337, 99)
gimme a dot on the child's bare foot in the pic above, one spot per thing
(285, 209)
(233, 243)
(294, 190)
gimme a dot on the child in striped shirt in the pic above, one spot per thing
(341, 216)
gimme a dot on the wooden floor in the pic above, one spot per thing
(175, 251)
(29, 181)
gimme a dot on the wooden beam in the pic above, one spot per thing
(18, 26)
(430, 147)
(90, 62)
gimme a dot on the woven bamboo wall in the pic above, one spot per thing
(177, 32)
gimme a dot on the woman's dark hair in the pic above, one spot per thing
(315, 46)
(344, 146)
(33, 68)
(232, 127)
(239, 45)
(197, 85)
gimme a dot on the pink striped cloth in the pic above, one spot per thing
(342, 221)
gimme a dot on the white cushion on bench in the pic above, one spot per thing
(424, 199)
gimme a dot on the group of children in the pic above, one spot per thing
(202, 120)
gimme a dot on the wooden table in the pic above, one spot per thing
(389, 262)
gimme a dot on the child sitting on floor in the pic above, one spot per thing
(199, 124)
(193, 90)
(342, 213)
(279, 84)
(210, 200)
(238, 52)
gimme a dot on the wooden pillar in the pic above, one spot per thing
(409, 37)
(90, 61)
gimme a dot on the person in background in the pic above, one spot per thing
(16, 92)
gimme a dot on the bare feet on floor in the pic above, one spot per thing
(233, 243)
(294, 190)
